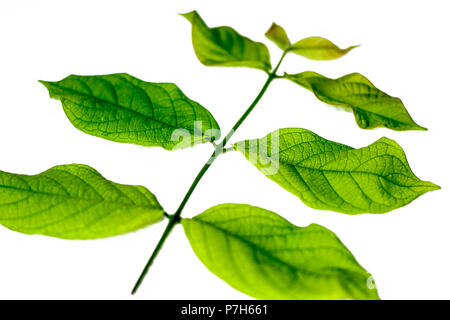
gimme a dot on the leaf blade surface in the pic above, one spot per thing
(371, 107)
(122, 108)
(224, 46)
(278, 35)
(327, 175)
(74, 202)
(263, 255)
(318, 48)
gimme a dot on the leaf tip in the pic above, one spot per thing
(270, 30)
(345, 51)
(420, 128)
(434, 187)
(414, 126)
(278, 35)
(428, 186)
(189, 15)
(46, 84)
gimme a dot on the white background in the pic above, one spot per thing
(404, 52)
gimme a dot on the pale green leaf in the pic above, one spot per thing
(261, 254)
(74, 202)
(122, 108)
(278, 35)
(223, 46)
(318, 48)
(371, 107)
(330, 176)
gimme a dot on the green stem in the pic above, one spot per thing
(219, 149)
(154, 254)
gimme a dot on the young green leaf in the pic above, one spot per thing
(327, 175)
(279, 36)
(223, 46)
(74, 202)
(263, 255)
(122, 108)
(318, 48)
(371, 107)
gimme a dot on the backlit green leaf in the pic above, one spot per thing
(263, 255)
(278, 35)
(223, 46)
(318, 48)
(122, 108)
(371, 107)
(330, 176)
(74, 202)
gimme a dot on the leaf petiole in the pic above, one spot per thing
(225, 150)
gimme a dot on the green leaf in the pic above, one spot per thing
(318, 48)
(122, 108)
(327, 175)
(371, 107)
(74, 202)
(263, 255)
(279, 36)
(314, 48)
(223, 46)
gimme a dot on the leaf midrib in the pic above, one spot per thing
(258, 64)
(249, 243)
(296, 270)
(299, 165)
(146, 117)
(258, 248)
(360, 107)
(360, 172)
(74, 197)
(319, 94)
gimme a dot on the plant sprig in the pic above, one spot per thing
(254, 250)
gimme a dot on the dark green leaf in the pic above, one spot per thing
(372, 108)
(263, 255)
(122, 108)
(223, 46)
(74, 202)
(330, 176)
(318, 48)
(278, 35)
